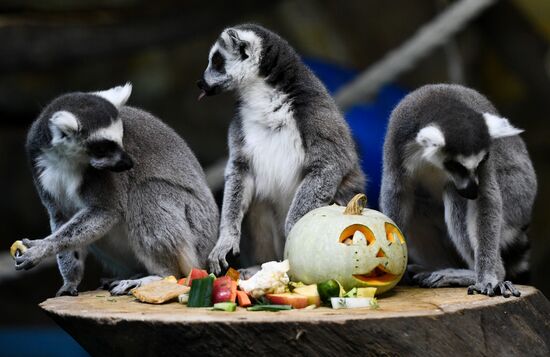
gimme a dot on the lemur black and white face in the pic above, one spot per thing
(233, 62)
(462, 159)
(86, 129)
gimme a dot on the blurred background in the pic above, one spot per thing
(50, 47)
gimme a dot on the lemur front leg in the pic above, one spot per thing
(484, 227)
(238, 190)
(317, 189)
(396, 198)
(71, 267)
(69, 263)
(85, 227)
(455, 219)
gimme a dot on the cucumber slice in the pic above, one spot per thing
(351, 303)
(225, 306)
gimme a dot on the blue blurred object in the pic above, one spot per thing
(38, 342)
(368, 121)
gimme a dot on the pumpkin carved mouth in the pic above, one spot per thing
(376, 277)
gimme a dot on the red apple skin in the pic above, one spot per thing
(221, 292)
(295, 300)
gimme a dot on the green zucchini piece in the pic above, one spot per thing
(327, 290)
(201, 292)
(269, 308)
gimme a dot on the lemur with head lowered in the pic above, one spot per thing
(118, 182)
(458, 180)
(290, 150)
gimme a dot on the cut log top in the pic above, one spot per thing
(409, 320)
(402, 301)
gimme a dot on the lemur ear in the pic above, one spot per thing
(233, 36)
(63, 122)
(242, 46)
(118, 96)
(500, 127)
(430, 137)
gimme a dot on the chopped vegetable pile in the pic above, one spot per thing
(268, 290)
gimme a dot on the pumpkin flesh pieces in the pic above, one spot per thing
(346, 236)
(377, 277)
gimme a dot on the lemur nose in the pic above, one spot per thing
(470, 192)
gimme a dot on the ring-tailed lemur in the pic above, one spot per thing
(459, 181)
(120, 183)
(290, 150)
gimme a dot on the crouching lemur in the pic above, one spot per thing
(290, 150)
(117, 182)
(459, 182)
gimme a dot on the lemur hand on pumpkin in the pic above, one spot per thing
(458, 180)
(290, 150)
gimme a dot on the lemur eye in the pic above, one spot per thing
(218, 62)
(455, 167)
(101, 149)
(242, 51)
(482, 162)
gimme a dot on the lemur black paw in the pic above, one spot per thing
(123, 287)
(247, 273)
(217, 258)
(427, 279)
(37, 250)
(504, 288)
(67, 291)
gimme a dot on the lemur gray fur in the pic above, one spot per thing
(290, 149)
(120, 183)
(458, 180)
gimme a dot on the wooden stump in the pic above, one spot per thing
(409, 321)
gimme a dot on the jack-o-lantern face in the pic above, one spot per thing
(354, 245)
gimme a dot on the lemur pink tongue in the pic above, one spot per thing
(201, 95)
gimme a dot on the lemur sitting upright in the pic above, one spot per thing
(120, 183)
(459, 182)
(290, 150)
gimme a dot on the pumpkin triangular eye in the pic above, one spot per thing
(381, 253)
(393, 233)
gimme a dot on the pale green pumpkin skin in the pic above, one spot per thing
(316, 255)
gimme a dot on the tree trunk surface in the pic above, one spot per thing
(409, 321)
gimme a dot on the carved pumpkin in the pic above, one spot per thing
(357, 246)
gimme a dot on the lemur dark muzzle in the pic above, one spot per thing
(207, 90)
(125, 163)
(470, 192)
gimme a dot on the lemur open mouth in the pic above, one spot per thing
(207, 90)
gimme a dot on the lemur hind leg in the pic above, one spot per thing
(168, 240)
(266, 236)
(445, 277)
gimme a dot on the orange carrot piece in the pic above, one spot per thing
(233, 291)
(243, 299)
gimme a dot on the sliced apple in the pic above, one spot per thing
(311, 292)
(297, 301)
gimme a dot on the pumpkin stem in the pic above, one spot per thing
(356, 204)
